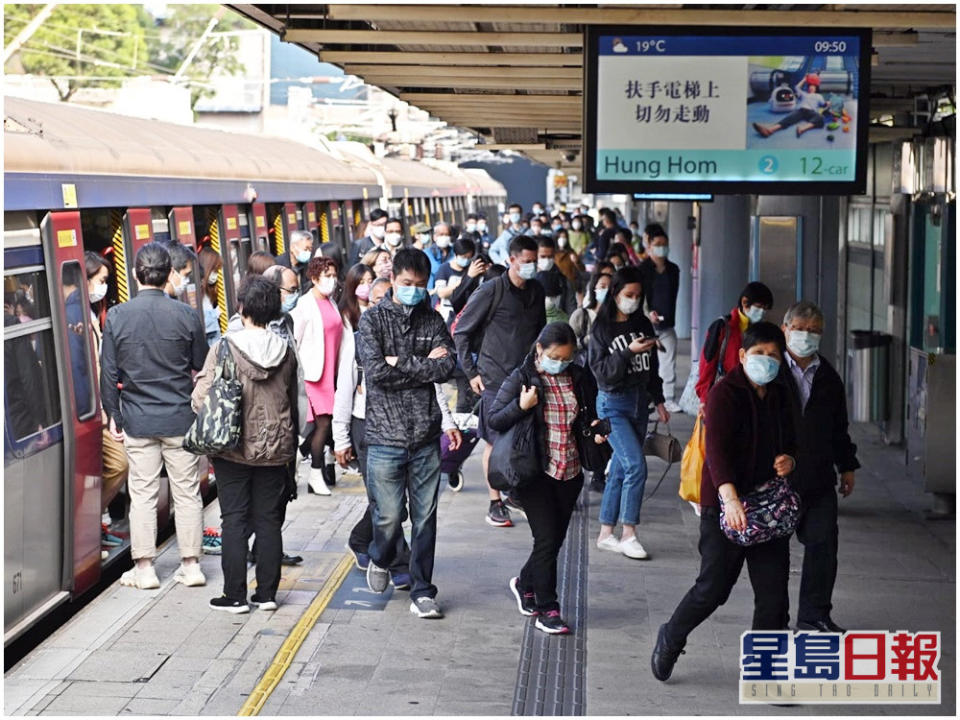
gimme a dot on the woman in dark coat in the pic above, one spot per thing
(562, 398)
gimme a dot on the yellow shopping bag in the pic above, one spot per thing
(691, 466)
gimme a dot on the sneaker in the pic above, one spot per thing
(513, 504)
(526, 602)
(108, 539)
(499, 516)
(401, 581)
(237, 607)
(378, 578)
(552, 623)
(361, 560)
(455, 481)
(141, 578)
(426, 607)
(212, 541)
(671, 407)
(633, 549)
(104, 554)
(190, 575)
(609, 543)
(263, 604)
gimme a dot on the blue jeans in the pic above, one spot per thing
(623, 494)
(392, 474)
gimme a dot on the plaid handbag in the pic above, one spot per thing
(219, 421)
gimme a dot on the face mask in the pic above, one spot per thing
(562, 242)
(515, 218)
(537, 209)
(377, 231)
(471, 227)
(660, 250)
(755, 313)
(600, 294)
(443, 241)
(363, 292)
(557, 227)
(482, 225)
(536, 230)
(461, 262)
(214, 276)
(99, 292)
(551, 303)
(182, 287)
(393, 238)
(527, 270)
(803, 344)
(577, 224)
(410, 295)
(628, 306)
(553, 367)
(544, 264)
(617, 266)
(303, 257)
(424, 239)
(290, 303)
(761, 369)
(327, 285)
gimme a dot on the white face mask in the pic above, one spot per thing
(327, 285)
(803, 344)
(562, 242)
(424, 239)
(214, 276)
(481, 225)
(99, 292)
(577, 224)
(628, 306)
(755, 313)
(544, 264)
(378, 231)
(443, 241)
(471, 227)
(393, 239)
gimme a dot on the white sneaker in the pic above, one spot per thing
(609, 543)
(315, 483)
(190, 575)
(672, 407)
(633, 549)
(142, 579)
(695, 506)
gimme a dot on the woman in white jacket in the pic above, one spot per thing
(318, 330)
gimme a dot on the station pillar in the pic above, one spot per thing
(681, 252)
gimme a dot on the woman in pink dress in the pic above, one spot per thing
(318, 330)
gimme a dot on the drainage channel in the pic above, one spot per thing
(552, 672)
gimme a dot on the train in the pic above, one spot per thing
(78, 179)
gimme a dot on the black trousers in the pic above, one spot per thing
(549, 505)
(251, 498)
(819, 533)
(804, 114)
(362, 533)
(466, 397)
(720, 564)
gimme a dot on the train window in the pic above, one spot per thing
(78, 331)
(30, 368)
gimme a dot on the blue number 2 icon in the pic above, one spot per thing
(768, 164)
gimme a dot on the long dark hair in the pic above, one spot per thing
(607, 313)
(349, 305)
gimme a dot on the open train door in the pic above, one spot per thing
(261, 234)
(137, 232)
(80, 399)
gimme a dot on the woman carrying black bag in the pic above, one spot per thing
(561, 399)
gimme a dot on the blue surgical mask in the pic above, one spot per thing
(303, 257)
(761, 369)
(471, 227)
(660, 250)
(461, 262)
(553, 367)
(527, 270)
(291, 302)
(755, 313)
(515, 218)
(410, 294)
(803, 344)
(600, 294)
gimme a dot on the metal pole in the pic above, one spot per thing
(199, 43)
(28, 31)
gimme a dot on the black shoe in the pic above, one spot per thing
(513, 504)
(251, 558)
(330, 475)
(499, 516)
(552, 623)
(664, 657)
(827, 626)
(225, 604)
(263, 603)
(290, 560)
(526, 602)
(598, 482)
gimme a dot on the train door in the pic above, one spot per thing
(311, 224)
(776, 257)
(222, 227)
(244, 245)
(34, 489)
(260, 231)
(183, 230)
(138, 231)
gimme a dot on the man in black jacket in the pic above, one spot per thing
(376, 229)
(503, 318)
(825, 449)
(661, 285)
(298, 256)
(404, 349)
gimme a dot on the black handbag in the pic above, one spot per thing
(219, 421)
(593, 457)
(515, 459)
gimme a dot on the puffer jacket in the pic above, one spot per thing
(402, 408)
(267, 370)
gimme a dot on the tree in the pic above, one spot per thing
(106, 41)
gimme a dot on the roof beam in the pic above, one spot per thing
(643, 16)
(452, 58)
(521, 100)
(477, 71)
(491, 83)
(432, 37)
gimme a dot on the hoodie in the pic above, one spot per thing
(267, 371)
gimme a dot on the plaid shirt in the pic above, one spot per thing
(559, 412)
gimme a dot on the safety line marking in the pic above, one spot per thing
(284, 657)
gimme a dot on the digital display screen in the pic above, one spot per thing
(698, 197)
(726, 110)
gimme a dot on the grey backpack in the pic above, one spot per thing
(219, 421)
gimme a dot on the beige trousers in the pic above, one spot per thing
(147, 456)
(115, 468)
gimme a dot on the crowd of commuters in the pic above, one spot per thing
(555, 327)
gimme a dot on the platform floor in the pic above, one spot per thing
(164, 652)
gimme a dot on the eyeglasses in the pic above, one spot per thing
(289, 290)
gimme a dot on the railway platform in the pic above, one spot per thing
(165, 652)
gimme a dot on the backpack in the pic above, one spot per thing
(476, 340)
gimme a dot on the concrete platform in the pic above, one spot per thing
(164, 652)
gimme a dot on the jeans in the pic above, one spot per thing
(252, 499)
(549, 505)
(627, 477)
(392, 474)
(720, 563)
(805, 114)
(668, 361)
(818, 532)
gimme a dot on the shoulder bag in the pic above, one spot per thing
(515, 459)
(219, 421)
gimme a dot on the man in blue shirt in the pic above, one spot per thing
(500, 250)
(440, 252)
